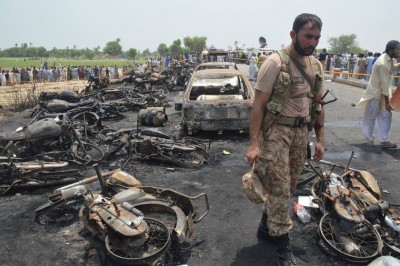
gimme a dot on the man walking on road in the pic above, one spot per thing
(376, 97)
(286, 106)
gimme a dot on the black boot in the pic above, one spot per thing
(262, 231)
(285, 254)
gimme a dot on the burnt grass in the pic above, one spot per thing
(226, 236)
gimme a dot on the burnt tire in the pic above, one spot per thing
(365, 238)
(87, 152)
(150, 252)
(189, 159)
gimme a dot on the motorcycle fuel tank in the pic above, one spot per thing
(57, 106)
(42, 129)
(69, 96)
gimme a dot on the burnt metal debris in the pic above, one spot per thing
(66, 133)
(355, 224)
(138, 224)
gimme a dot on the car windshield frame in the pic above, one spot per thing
(215, 81)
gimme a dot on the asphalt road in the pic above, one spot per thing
(227, 235)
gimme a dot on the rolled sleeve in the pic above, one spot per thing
(268, 74)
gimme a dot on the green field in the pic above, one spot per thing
(25, 62)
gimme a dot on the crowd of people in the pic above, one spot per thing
(44, 73)
(361, 65)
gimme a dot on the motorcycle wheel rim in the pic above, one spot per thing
(370, 246)
(188, 159)
(153, 249)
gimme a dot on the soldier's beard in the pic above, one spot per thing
(302, 51)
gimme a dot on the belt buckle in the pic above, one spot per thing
(299, 122)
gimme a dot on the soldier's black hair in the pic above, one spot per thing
(305, 18)
(391, 45)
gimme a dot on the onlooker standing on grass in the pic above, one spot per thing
(35, 74)
(58, 74)
(49, 75)
(53, 74)
(18, 76)
(30, 73)
(13, 77)
(116, 73)
(1, 77)
(64, 73)
(102, 72)
(376, 97)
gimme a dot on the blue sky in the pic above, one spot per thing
(147, 23)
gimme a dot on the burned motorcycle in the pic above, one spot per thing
(190, 153)
(95, 83)
(46, 136)
(155, 145)
(66, 95)
(17, 174)
(58, 107)
(137, 223)
(356, 224)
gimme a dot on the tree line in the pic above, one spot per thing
(341, 44)
(112, 48)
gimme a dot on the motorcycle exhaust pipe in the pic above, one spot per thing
(49, 183)
(348, 245)
(73, 192)
(25, 166)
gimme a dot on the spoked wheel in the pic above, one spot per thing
(361, 246)
(154, 247)
(88, 118)
(87, 153)
(189, 159)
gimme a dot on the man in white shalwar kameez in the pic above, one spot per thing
(252, 67)
(376, 97)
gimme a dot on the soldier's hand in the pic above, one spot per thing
(252, 155)
(319, 151)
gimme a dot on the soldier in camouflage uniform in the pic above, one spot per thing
(279, 127)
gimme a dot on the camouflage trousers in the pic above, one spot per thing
(281, 161)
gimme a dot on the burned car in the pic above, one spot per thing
(216, 65)
(216, 99)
